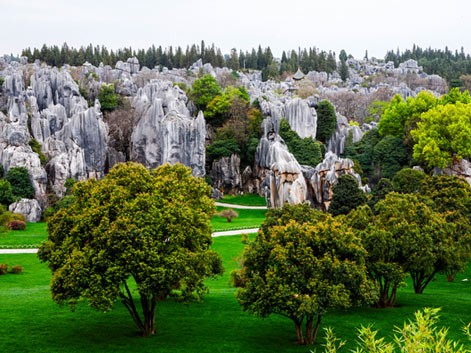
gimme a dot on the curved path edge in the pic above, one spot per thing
(215, 234)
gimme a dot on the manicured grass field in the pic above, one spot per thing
(246, 219)
(245, 200)
(31, 322)
(31, 237)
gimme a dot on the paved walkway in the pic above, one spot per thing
(215, 234)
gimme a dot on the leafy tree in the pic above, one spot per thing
(232, 103)
(363, 152)
(409, 181)
(301, 269)
(442, 135)
(204, 90)
(389, 155)
(383, 254)
(148, 230)
(421, 238)
(305, 150)
(326, 121)
(108, 98)
(380, 191)
(222, 148)
(399, 116)
(452, 197)
(20, 182)
(346, 195)
(6, 193)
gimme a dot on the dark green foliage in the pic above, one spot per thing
(344, 72)
(326, 121)
(443, 62)
(305, 150)
(389, 156)
(380, 191)
(20, 182)
(222, 148)
(2, 171)
(346, 195)
(409, 181)
(362, 151)
(6, 193)
(37, 148)
(108, 97)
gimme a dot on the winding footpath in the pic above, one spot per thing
(215, 234)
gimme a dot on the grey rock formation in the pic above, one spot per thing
(51, 86)
(78, 150)
(343, 131)
(301, 117)
(28, 208)
(165, 131)
(281, 175)
(460, 169)
(225, 174)
(326, 175)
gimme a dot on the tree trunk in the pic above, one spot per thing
(299, 331)
(148, 310)
(316, 329)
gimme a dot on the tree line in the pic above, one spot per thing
(445, 63)
(176, 57)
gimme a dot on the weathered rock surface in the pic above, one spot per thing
(225, 174)
(281, 175)
(165, 131)
(326, 175)
(343, 131)
(28, 208)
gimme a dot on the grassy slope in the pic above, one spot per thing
(31, 322)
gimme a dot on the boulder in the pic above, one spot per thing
(28, 208)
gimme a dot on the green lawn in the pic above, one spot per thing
(31, 237)
(31, 322)
(246, 219)
(245, 200)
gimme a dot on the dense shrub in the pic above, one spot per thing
(3, 269)
(228, 214)
(37, 148)
(7, 217)
(108, 98)
(16, 269)
(305, 150)
(17, 225)
(20, 182)
(6, 193)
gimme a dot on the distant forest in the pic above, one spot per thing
(450, 65)
(445, 63)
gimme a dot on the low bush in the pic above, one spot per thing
(228, 214)
(17, 225)
(3, 269)
(16, 269)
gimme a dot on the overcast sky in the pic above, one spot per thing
(356, 26)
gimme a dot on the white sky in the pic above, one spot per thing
(356, 26)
